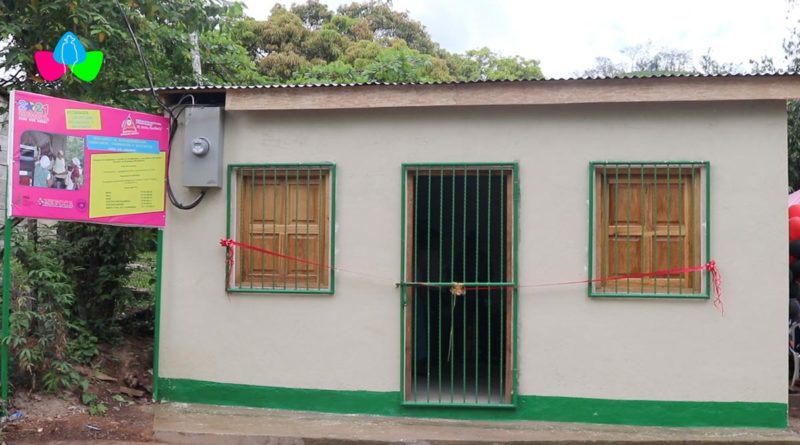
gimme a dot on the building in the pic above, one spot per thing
(430, 248)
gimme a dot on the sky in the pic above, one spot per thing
(567, 35)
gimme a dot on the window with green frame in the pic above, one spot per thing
(649, 229)
(285, 213)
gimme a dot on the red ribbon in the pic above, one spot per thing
(228, 243)
(711, 266)
(716, 280)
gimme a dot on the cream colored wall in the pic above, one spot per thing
(569, 345)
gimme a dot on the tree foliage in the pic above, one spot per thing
(162, 28)
(362, 42)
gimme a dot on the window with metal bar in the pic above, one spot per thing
(282, 215)
(649, 229)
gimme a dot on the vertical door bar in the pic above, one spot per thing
(428, 295)
(451, 345)
(415, 278)
(476, 346)
(491, 289)
(440, 277)
(463, 297)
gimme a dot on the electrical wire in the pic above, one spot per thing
(173, 118)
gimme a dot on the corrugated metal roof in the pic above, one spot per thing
(183, 88)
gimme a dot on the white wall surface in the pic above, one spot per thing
(569, 345)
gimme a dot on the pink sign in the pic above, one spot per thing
(76, 161)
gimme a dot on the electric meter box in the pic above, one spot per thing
(202, 152)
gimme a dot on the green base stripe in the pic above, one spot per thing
(541, 408)
(230, 394)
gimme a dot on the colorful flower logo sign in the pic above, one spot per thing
(69, 54)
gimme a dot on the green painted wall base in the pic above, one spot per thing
(541, 408)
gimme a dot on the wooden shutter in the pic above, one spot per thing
(285, 211)
(648, 221)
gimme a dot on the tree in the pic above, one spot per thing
(162, 28)
(313, 13)
(363, 42)
(604, 67)
(98, 255)
(384, 22)
(483, 64)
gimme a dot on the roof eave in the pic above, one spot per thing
(466, 94)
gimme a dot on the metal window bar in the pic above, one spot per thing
(293, 216)
(456, 353)
(664, 241)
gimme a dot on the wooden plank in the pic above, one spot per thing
(409, 308)
(600, 259)
(684, 89)
(697, 250)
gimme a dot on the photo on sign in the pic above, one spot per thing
(51, 160)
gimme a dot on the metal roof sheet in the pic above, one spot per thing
(184, 88)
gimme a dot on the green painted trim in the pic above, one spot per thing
(332, 256)
(403, 289)
(4, 355)
(706, 294)
(296, 165)
(664, 163)
(329, 166)
(456, 165)
(515, 298)
(540, 408)
(157, 328)
(247, 290)
(228, 213)
(591, 229)
(707, 166)
(650, 296)
(466, 405)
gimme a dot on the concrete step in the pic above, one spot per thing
(206, 425)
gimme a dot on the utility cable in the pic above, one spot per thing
(173, 118)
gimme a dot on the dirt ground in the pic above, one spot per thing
(123, 368)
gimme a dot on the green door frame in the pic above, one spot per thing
(513, 282)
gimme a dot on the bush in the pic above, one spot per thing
(71, 285)
(41, 304)
(97, 259)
